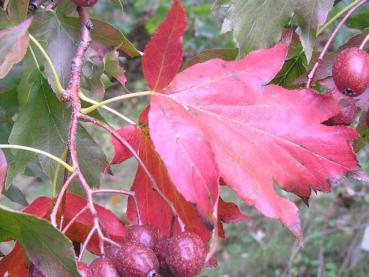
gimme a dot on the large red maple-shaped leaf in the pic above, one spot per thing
(223, 118)
(163, 54)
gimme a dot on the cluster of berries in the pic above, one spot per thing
(145, 254)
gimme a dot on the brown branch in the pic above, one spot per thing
(141, 163)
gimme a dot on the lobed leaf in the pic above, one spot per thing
(259, 135)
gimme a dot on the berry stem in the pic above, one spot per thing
(336, 16)
(37, 151)
(330, 40)
(124, 192)
(87, 240)
(59, 199)
(91, 101)
(70, 223)
(116, 99)
(56, 174)
(59, 87)
(365, 41)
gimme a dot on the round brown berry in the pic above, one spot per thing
(136, 260)
(103, 267)
(142, 234)
(351, 71)
(85, 3)
(186, 254)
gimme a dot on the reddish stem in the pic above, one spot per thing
(59, 199)
(366, 39)
(70, 223)
(141, 163)
(124, 192)
(330, 40)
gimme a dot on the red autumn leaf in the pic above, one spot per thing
(153, 209)
(163, 54)
(14, 263)
(260, 135)
(79, 230)
(42, 206)
(39, 207)
(131, 134)
(3, 170)
(230, 213)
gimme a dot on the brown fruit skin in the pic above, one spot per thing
(103, 267)
(83, 269)
(85, 3)
(142, 234)
(351, 71)
(136, 260)
(186, 254)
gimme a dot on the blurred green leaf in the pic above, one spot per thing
(44, 245)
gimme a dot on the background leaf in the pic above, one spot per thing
(13, 47)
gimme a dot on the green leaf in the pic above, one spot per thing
(113, 68)
(43, 124)
(360, 19)
(13, 46)
(227, 54)
(44, 245)
(259, 23)
(16, 195)
(310, 16)
(17, 10)
(49, 30)
(118, 4)
(106, 34)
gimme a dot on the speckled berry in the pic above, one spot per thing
(136, 260)
(111, 251)
(85, 3)
(161, 252)
(103, 267)
(83, 269)
(186, 254)
(142, 234)
(351, 71)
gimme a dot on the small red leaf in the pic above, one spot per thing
(163, 54)
(39, 207)
(230, 213)
(3, 170)
(42, 206)
(131, 134)
(14, 263)
(79, 230)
